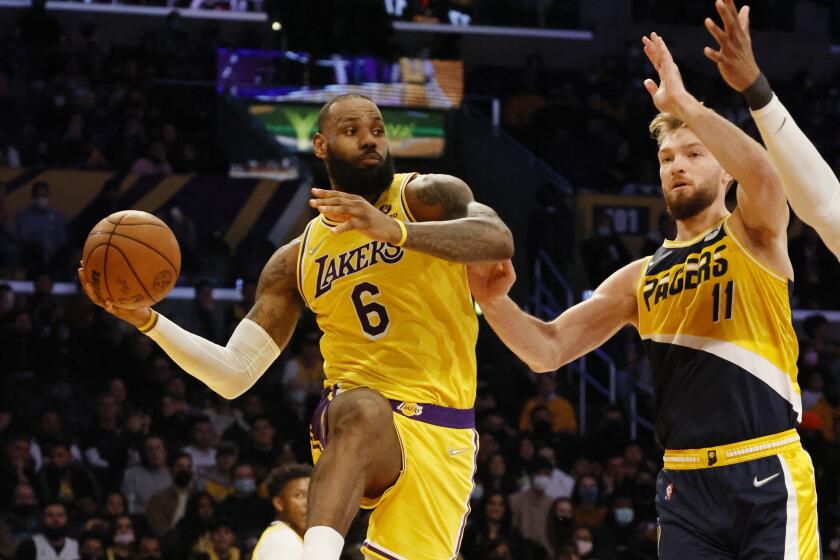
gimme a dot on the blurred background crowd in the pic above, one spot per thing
(106, 442)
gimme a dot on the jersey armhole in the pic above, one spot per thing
(752, 257)
(300, 256)
(639, 286)
(403, 201)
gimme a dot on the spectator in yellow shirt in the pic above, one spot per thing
(560, 409)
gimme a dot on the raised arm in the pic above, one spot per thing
(450, 223)
(232, 369)
(811, 186)
(546, 346)
(761, 200)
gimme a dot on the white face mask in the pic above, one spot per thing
(583, 547)
(124, 538)
(541, 482)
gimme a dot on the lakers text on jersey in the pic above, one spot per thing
(398, 321)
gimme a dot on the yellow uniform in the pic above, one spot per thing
(400, 322)
(716, 326)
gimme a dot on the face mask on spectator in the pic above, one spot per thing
(182, 479)
(542, 427)
(541, 482)
(41, 202)
(244, 485)
(23, 511)
(623, 516)
(583, 547)
(55, 533)
(834, 544)
(478, 492)
(589, 495)
(124, 538)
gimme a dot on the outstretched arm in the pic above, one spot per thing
(232, 369)
(811, 186)
(546, 346)
(450, 223)
(761, 199)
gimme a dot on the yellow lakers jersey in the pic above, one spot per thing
(396, 320)
(716, 326)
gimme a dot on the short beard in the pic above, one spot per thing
(688, 207)
(368, 182)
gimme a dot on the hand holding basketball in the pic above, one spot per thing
(130, 261)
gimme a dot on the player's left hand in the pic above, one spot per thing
(735, 59)
(670, 92)
(355, 213)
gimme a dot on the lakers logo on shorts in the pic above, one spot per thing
(410, 409)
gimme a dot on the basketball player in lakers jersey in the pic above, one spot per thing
(383, 269)
(712, 308)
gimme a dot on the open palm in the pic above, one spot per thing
(670, 90)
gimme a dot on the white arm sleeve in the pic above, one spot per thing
(228, 370)
(812, 188)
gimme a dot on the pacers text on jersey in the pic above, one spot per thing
(696, 269)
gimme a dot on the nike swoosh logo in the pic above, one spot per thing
(759, 483)
(457, 451)
(315, 248)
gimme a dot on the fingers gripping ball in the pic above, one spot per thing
(132, 259)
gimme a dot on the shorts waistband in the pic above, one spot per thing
(459, 418)
(732, 453)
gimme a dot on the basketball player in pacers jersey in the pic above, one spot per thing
(383, 269)
(712, 308)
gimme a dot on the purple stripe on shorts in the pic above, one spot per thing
(379, 551)
(317, 428)
(459, 418)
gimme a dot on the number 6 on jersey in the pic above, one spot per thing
(373, 316)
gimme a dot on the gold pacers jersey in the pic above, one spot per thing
(716, 326)
(396, 320)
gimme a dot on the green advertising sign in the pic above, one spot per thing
(411, 132)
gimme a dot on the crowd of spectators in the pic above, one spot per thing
(116, 453)
(69, 98)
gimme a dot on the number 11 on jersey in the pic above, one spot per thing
(729, 295)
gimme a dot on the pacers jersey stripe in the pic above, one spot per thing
(717, 327)
(396, 320)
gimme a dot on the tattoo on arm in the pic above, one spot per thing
(278, 305)
(450, 196)
(456, 227)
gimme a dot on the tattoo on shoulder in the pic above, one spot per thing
(450, 193)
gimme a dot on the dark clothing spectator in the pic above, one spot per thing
(41, 232)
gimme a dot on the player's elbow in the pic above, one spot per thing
(541, 367)
(504, 244)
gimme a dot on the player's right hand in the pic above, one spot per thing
(735, 59)
(491, 281)
(137, 317)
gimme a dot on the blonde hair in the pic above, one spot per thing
(662, 125)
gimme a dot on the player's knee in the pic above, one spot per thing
(366, 414)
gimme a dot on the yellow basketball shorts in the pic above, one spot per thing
(423, 515)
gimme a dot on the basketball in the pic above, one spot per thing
(132, 259)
